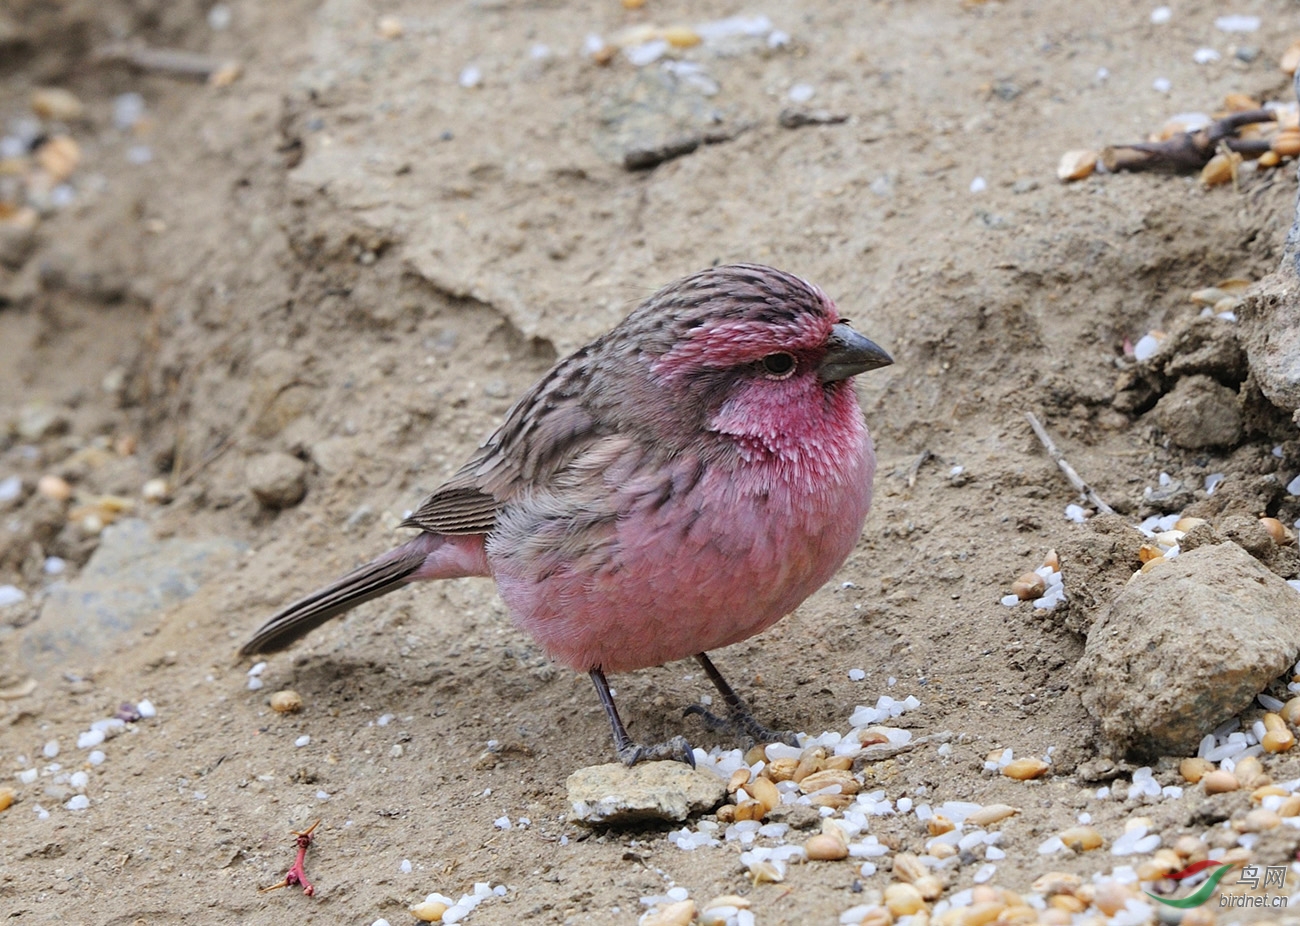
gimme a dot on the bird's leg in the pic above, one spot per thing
(630, 753)
(739, 719)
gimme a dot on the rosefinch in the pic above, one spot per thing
(679, 484)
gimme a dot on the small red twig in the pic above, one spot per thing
(295, 875)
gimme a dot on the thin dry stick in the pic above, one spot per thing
(1076, 480)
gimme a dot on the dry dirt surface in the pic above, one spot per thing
(387, 225)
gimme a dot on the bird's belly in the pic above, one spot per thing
(700, 572)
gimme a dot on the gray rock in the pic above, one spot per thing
(1269, 327)
(1185, 647)
(129, 580)
(277, 479)
(1200, 412)
(613, 794)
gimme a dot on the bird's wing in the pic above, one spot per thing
(544, 431)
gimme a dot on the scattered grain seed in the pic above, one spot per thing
(1290, 59)
(728, 900)
(1219, 781)
(766, 872)
(871, 737)
(750, 810)
(1054, 917)
(57, 488)
(1149, 551)
(390, 27)
(1289, 807)
(942, 850)
(908, 867)
(6, 798)
(633, 4)
(1081, 838)
(1250, 773)
(825, 847)
(739, 778)
(1029, 586)
(429, 911)
(842, 763)
(904, 899)
(992, 813)
(59, 157)
(833, 801)
(57, 104)
(1194, 769)
(1222, 168)
(1286, 143)
(286, 701)
(826, 778)
(1240, 102)
(1111, 897)
(809, 762)
(1025, 769)
(1290, 711)
(1067, 902)
(1273, 721)
(1268, 791)
(939, 824)
(783, 769)
(763, 791)
(1076, 165)
(983, 913)
(1198, 916)
(1056, 882)
(930, 887)
(1257, 821)
(1282, 535)
(680, 36)
(726, 813)
(1190, 849)
(1052, 560)
(680, 913)
(1276, 741)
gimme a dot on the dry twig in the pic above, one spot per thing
(1071, 474)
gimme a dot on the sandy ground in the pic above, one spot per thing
(347, 256)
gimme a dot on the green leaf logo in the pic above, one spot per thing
(1202, 893)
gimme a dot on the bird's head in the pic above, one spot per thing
(761, 354)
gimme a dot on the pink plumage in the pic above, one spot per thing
(677, 485)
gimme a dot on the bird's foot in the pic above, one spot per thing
(741, 722)
(675, 750)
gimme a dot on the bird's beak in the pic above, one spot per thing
(849, 353)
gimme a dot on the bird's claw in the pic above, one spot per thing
(741, 723)
(675, 750)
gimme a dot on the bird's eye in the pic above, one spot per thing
(778, 366)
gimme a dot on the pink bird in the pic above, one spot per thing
(678, 485)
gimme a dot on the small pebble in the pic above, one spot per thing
(302, 740)
(146, 709)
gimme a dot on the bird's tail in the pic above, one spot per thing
(377, 577)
